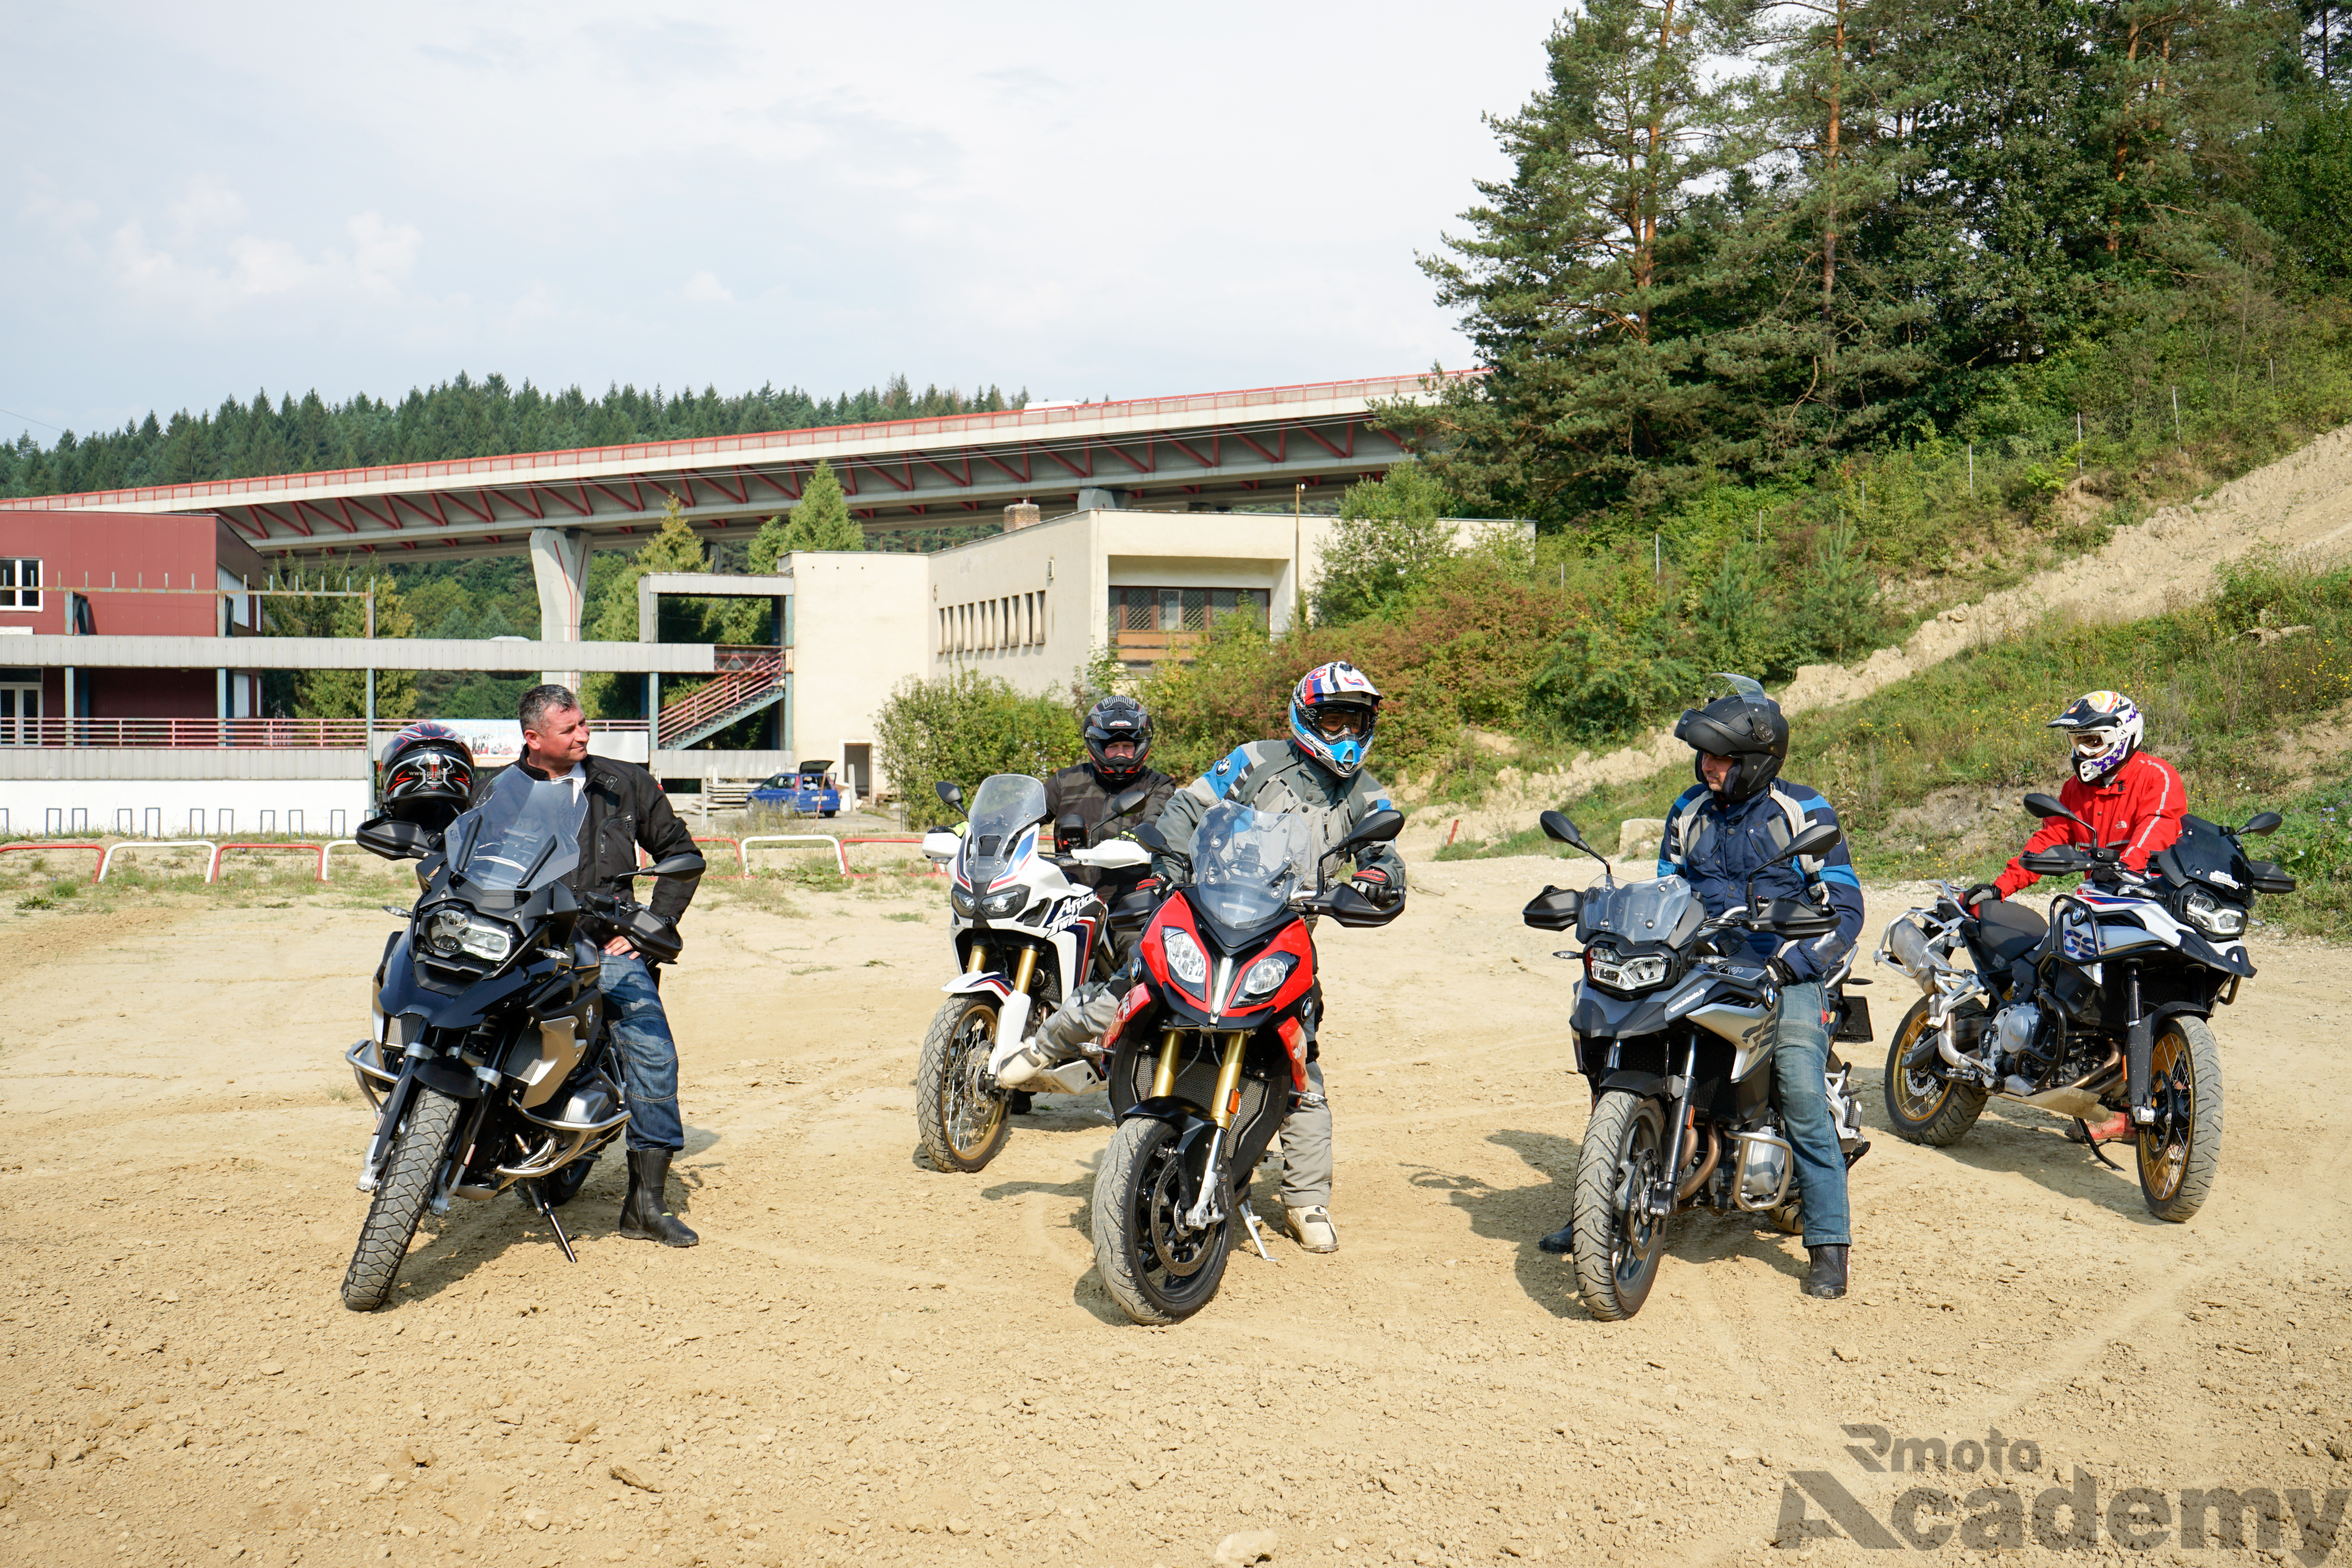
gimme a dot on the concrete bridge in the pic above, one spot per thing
(1210, 452)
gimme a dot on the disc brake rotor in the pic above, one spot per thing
(1175, 1250)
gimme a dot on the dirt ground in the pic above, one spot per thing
(869, 1360)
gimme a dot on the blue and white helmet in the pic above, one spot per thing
(1322, 696)
(2106, 729)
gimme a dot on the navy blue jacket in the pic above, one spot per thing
(1726, 843)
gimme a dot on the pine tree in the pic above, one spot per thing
(1585, 302)
(821, 522)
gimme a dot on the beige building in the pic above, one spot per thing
(1031, 606)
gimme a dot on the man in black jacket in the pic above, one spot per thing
(627, 809)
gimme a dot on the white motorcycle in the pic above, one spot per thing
(1025, 936)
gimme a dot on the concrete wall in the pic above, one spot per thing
(184, 808)
(860, 624)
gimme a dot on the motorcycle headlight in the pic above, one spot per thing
(2211, 915)
(1005, 905)
(450, 931)
(1186, 961)
(1621, 973)
(1266, 975)
(961, 899)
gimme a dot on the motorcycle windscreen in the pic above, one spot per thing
(523, 835)
(1003, 805)
(1247, 865)
(1665, 910)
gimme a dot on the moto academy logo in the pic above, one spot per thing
(1986, 1494)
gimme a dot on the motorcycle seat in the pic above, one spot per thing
(2009, 931)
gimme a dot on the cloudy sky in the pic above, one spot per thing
(1085, 199)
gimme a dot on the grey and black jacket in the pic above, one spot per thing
(1275, 776)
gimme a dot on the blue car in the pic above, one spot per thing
(810, 792)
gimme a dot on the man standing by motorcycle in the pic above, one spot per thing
(1722, 830)
(626, 810)
(1317, 772)
(2128, 796)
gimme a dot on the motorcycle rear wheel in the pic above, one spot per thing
(1617, 1254)
(2180, 1155)
(962, 1124)
(1923, 1106)
(400, 1199)
(1157, 1272)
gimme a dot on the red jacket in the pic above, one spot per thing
(2141, 803)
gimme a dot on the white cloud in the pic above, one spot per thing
(212, 277)
(704, 289)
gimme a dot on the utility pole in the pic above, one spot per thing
(1297, 557)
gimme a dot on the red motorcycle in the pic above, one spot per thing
(1210, 1045)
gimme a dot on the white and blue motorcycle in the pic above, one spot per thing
(2103, 1007)
(1026, 934)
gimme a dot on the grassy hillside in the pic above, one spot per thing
(1927, 772)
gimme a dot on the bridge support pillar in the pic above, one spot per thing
(1094, 497)
(559, 562)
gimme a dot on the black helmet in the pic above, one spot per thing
(428, 776)
(1747, 726)
(1118, 718)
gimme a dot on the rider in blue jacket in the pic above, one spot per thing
(1722, 830)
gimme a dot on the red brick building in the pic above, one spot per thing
(125, 573)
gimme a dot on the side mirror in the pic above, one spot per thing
(1070, 832)
(1560, 829)
(951, 796)
(2047, 807)
(2265, 822)
(393, 839)
(1130, 800)
(1151, 838)
(1381, 828)
(1820, 837)
(688, 865)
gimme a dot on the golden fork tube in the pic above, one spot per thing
(1025, 966)
(1229, 1080)
(1164, 1079)
(979, 959)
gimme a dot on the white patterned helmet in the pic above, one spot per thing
(2106, 729)
(1333, 711)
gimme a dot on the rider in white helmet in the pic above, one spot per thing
(2128, 797)
(1317, 771)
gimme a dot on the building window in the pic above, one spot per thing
(20, 715)
(20, 583)
(1180, 609)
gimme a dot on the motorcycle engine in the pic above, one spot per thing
(2016, 1026)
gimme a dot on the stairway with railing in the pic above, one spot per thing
(749, 679)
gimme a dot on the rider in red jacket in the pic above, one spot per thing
(2127, 796)
(2121, 790)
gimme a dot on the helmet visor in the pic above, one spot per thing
(1333, 722)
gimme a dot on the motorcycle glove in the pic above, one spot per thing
(1983, 892)
(1374, 883)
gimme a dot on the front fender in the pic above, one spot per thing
(1649, 1085)
(997, 986)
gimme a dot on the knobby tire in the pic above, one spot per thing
(417, 1150)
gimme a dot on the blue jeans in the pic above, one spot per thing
(1800, 1062)
(648, 1055)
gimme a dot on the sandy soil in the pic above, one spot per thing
(869, 1360)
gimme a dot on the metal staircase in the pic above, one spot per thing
(749, 680)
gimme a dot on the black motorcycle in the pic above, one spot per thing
(490, 1066)
(1675, 1026)
(2103, 1007)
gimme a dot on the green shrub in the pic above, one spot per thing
(960, 728)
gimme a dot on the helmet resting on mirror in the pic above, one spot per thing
(1747, 727)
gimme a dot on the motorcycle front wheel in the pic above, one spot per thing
(1156, 1270)
(962, 1123)
(1923, 1106)
(2180, 1154)
(1619, 1242)
(400, 1199)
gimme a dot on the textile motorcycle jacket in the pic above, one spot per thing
(1715, 845)
(1273, 775)
(2141, 803)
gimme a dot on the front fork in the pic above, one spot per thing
(1660, 1199)
(1210, 1206)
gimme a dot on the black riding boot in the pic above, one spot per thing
(1826, 1277)
(643, 1216)
(1561, 1242)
